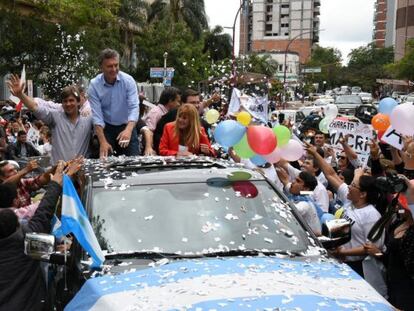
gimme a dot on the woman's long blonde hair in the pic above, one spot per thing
(190, 135)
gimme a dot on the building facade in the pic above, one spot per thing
(404, 26)
(384, 23)
(280, 25)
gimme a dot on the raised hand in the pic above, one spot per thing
(15, 86)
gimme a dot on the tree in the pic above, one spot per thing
(218, 44)
(263, 64)
(191, 12)
(366, 64)
(404, 68)
(329, 60)
(184, 53)
(65, 65)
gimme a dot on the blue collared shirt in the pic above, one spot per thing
(115, 104)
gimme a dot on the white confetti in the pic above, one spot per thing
(149, 217)
(267, 240)
(133, 210)
(231, 217)
(184, 240)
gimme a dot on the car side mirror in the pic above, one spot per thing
(41, 246)
(335, 232)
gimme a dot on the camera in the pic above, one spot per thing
(391, 184)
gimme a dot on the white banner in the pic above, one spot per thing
(360, 136)
(393, 138)
(234, 104)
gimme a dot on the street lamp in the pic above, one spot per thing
(286, 51)
(165, 55)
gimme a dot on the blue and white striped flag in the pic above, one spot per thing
(75, 220)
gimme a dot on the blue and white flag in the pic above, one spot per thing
(75, 220)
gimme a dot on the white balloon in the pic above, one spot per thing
(331, 111)
(402, 118)
(292, 151)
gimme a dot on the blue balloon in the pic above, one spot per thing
(228, 133)
(326, 217)
(258, 160)
(386, 105)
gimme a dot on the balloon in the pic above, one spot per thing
(387, 105)
(258, 160)
(228, 133)
(380, 122)
(324, 125)
(244, 118)
(282, 134)
(243, 149)
(212, 116)
(293, 151)
(331, 111)
(273, 157)
(261, 139)
(402, 119)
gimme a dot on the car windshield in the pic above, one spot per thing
(193, 218)
(348, 99)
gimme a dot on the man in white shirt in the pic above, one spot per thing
(306, 206)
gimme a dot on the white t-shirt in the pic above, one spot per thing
(319, 195)
(362, 220)
(308, 212)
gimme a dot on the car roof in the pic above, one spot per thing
(130, 171)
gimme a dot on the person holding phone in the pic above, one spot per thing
(185, 136)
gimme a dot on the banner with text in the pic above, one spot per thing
(360, 135)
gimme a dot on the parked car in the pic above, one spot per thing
(409, 98)
(307, 110)
(278, 116)
(348, 103)
(355, 90)
(199, 233)
(366, 97)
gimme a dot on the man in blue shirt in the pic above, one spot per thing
(113, 97)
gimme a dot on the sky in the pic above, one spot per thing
(347, 24)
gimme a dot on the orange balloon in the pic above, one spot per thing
(380, 122)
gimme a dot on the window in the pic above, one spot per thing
(284, 15)
(285, 6)
(269, 27)
(269, 18)
(284, 25)
(269, 8)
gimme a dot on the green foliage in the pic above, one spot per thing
(404, 68)
(191, 12)
(217, 44)
(367, 64)
(263, 64)
(66, 64)
(329, 59)
(184, 53)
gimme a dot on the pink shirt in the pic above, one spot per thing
(26, 212)
(154, 115)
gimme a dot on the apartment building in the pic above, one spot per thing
(280, 25)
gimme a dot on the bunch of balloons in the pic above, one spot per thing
(382, 120)
(331, 112)
(260, 144)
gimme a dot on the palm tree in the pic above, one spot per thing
(132, 18)
(218, 44)
(191, 12)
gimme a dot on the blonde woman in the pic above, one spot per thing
(185, 136)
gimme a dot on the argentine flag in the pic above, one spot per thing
(74, 220)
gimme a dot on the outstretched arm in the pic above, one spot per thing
(327, 170)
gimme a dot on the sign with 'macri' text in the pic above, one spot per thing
(360, 136)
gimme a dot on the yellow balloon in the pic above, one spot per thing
(244, 118)
(212, 116)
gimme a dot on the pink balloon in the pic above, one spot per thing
(273, 157)
(402, 118)
(261, 139)
(293, 151)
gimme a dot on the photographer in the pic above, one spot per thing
(359, 199)
(399, 252)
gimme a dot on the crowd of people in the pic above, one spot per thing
(111, 119)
